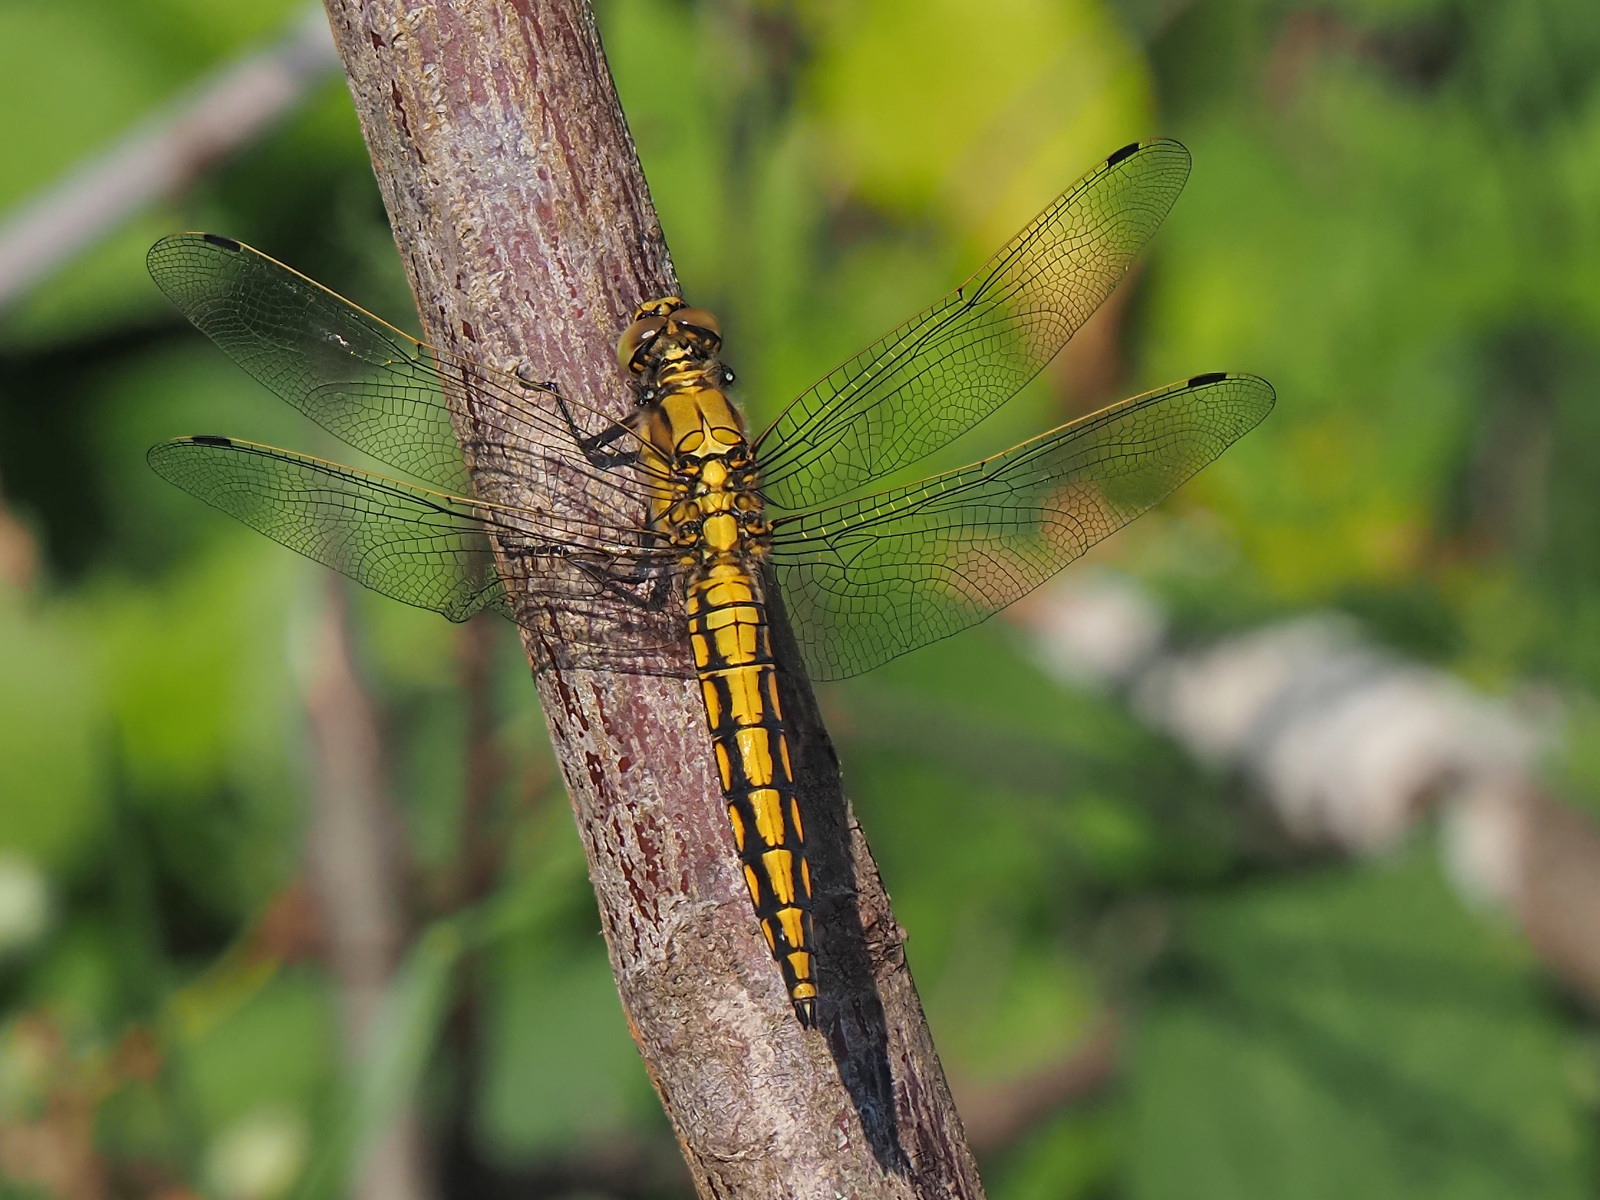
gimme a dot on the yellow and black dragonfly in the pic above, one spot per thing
(671, 525)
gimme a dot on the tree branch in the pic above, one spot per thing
(997, 1116)
(160, 156)
(352, 861)
(1350, 746)
(528, 235)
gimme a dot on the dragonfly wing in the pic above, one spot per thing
(939, 374)
(425, 548)
(369, 384)
(872, 578)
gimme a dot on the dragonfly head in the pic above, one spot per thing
(667, 332)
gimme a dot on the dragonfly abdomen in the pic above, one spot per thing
(733, 658)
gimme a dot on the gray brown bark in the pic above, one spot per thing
(528, 235)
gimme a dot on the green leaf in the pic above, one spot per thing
(1353, 1034)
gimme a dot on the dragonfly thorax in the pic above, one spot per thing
(693, 433)
(715, 510)
(695, 424)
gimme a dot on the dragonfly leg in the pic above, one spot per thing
(593, 446)
(657, 594)
(658, 586)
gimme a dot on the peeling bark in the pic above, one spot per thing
(528, 235)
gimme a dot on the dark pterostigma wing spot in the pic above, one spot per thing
(1117, 156)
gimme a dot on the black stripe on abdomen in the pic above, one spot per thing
(728, 630)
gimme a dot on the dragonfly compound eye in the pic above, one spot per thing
(700, 321)
(635, 340)
(664, 306)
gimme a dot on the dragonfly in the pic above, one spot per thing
(624, 539)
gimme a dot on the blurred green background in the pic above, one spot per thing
(1394, 216)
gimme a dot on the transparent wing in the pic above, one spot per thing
(872, 578)
(425, 548)
(366, 382)
(942, 372)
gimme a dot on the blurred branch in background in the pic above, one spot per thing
(19, 552)
(479, 858)
(1350, 747)
(998, 1116)
(163, 154)
(354, 857)
(623, 1168)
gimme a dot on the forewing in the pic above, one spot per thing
(942, 372)
(366, 382)
(870, 579)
